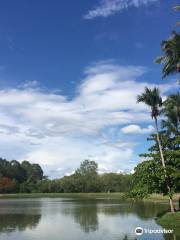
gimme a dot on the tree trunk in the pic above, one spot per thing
(164, 166)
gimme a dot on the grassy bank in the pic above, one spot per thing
(160, 197)
(170, 221)
(152, 197)
(66, 195)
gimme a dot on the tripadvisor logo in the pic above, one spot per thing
(139, 231)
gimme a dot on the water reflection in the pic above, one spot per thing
(85, 215)
(144, 210)
(19, 214)
(94, 215)
(13, 222)
(64, 219)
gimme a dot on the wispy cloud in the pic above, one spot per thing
(106, 8)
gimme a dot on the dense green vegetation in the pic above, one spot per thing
(18, 177)
(160, 172)
(24, 177)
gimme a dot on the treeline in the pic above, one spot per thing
(24, 177)
(86, 179)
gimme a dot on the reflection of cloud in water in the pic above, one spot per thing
(112, 218)
(76, 219)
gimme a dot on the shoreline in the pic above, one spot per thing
(105, 196)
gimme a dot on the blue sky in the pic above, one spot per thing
(69, 75)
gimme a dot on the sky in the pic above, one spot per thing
(70, 72)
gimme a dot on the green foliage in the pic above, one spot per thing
(86, 177)
(33, 172)
(152, 98)
(112, 182)
(15, 176)
(84, 180)
(171, 57)
(149, 176)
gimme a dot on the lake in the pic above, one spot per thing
(76, 219)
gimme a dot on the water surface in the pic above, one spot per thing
(75, 219)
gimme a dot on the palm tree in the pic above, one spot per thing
(171, 124)
(173, 102)
(177, 8)
(153, 99)
(172, 112)
(171, 57)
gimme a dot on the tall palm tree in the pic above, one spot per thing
(171, 57)
(152, 98)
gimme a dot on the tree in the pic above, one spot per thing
(171, 111)
(171, 57)
(147, 179)
(88, 168)
(149, 175)
(21, 177)
(33, 172)
(113, 182)
(7, 185)
(153, 99)
(87, 176)
(171, 50)
(17, 172)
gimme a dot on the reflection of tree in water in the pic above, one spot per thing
(144, 210)
(85, 215)
(87, 218)
(13, 222)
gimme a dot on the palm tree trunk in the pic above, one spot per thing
(164, 166)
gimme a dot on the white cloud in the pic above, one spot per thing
(59, 133)
(136, 129)
(110, 7)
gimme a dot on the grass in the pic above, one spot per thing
(121, 196)
(66, 195)
(160, 197)
(170, 221)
